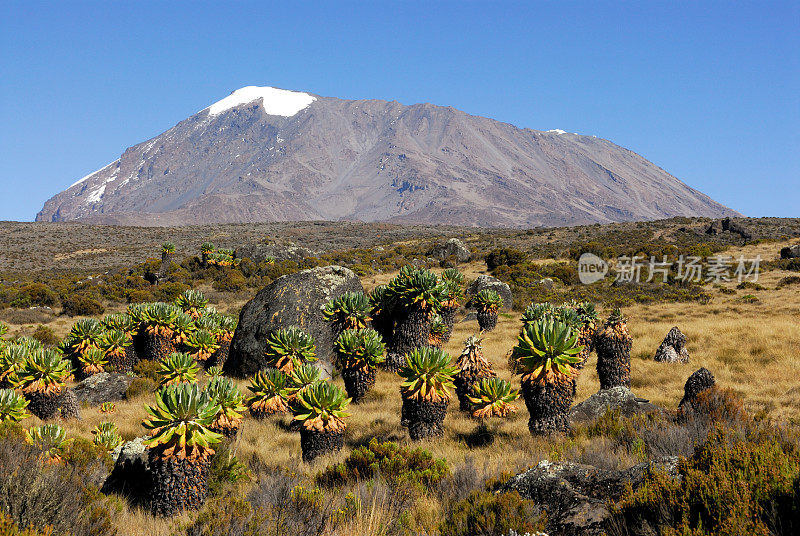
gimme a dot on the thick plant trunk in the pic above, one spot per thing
(124, 363)
(424, 418)
(614, 358)
(315, 443)
(411, 332)
(157, 347)
(68, 405)
(228, 431)
(178, 483)
(358, 382)
(464, 385)
(219, 357)
(548, 405)
(448, 315)
(586, 339)
(383, 323)
(44, 405)
(487, 320)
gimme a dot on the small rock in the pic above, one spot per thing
(547, 283)
(103, 387)
(673, 348)
(131, 473)
(699, 381)
(452, 248)
(791, 252)
(617, 398)
(492, 283)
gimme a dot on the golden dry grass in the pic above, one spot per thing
(750, 347)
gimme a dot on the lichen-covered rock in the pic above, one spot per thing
(576, 496)
(673, 348)
(615, 399)
(292, 300)
(103, 387)
(453, 248)
(491, 283)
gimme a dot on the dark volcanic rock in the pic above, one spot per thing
(452, 248)
(491, 283)
(736, 228)
(576, 496)
(103, 387)
(699, 381)
(291, 300)
(617, 398)
(673, 348)
(791, 252)
(131, 473)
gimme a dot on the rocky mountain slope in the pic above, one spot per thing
(264, 154)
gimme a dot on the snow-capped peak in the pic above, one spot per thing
(90, 175)
(275, 101)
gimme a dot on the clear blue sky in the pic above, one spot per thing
(710, 91)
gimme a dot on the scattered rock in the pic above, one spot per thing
(714, 228)
(547, 283)
(698, 382)
(576, 496)
(673, 348)
(452, 248)
(791, 252)
(736, 228)
(471, 316)
(492, 283)
(292, 300)
(617, 398)
(131, 473)
(103, 387)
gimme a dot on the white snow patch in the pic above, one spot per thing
(558, 131)
(93, 174)
(95, 196)
(276, 101)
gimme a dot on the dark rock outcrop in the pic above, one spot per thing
(492, 283)
(736, 228)
(292, 300)
(103, 387)
(791, 252)
(453, 248)
(131, 473)
(673, 348)
(279, 252)
(699, 381)
(617, 398)
(576, 497)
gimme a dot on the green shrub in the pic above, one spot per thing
(735, 483)
(504, 257)
(396, 464)
(147, 368)
(488, 514)
(139, 387)
(225, 469)
(167, 292)
(79, 304)
(230, 281)
(45, 335)
(139, 296)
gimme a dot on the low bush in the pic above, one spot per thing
(147, 368)
(484, 513)
(504, 257)
(45, 335)
(79, 304)
(400, 465)
(230, 281)
(139, 387)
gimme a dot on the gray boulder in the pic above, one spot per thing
(103, 387)
(291, 300)
(617, 398)
(791, 252)
(673, 348)
(576, 496)
(452, 248)
(131, 473)
(279, 252)
(492, 283)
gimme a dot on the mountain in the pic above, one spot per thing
(266, 154)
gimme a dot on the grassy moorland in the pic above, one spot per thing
(747, 335)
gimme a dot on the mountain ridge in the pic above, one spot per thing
(276, 155)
